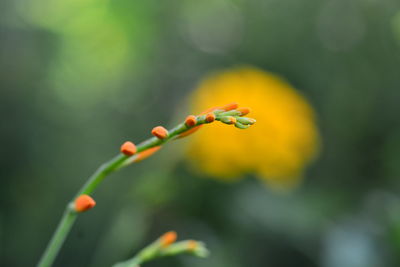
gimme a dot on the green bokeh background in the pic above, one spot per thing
(79, 77)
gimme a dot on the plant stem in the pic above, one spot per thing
(98, 176)
(155, 250)
(58, 238)
(70, 214)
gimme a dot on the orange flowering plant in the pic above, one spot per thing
(131, 153)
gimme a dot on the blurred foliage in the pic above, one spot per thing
(77, 78)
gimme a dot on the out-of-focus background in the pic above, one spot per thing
(79, 77)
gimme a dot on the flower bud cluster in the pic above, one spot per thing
(228, 114)
(231, 114)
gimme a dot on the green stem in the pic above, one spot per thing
(114, 164)
(70, 215)
(58, 238)
(100, 174)
(155, 250)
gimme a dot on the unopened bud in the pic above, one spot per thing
(210, 117)
(191, 121)
(128, 148)
(244, 111)
(168, 238)
(246, 121)
(230, 106)
(228, 120)
(231, 113)
(241, 126)
(160, 132)
(84, 203)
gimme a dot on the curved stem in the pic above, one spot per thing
(97, 177)
(100, 174)
(58, 238)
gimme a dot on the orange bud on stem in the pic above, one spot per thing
(84, 203)
(191, 121)
(244, 111)
(159, 132)
(168, 238)
(230, 106)
(210, 117)
(128, 148)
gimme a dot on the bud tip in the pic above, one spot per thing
(128, 148)
(160, 132)
(230, 106)
(210, 117)
(244, 111)
(168, 238)
(84, 203)
(190, 121)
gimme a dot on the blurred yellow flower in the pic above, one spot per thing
(277, 148)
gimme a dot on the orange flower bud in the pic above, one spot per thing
(230, 106)
(244, 111)
(210, 117)
(147, 153)
(168, 238)
(191, 121)
(159, 132)
(128, 148)
(84, 203)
